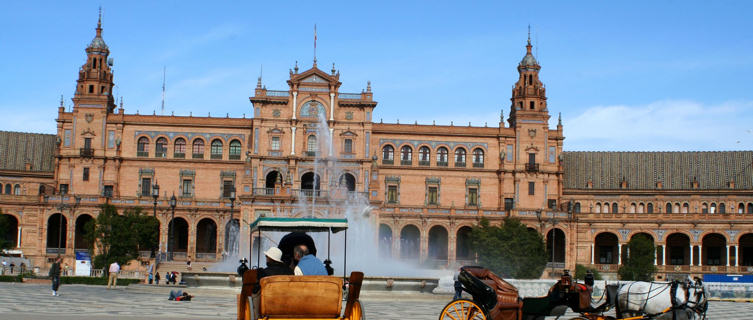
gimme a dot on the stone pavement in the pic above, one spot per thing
(34, 301)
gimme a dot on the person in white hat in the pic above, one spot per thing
(275, 266)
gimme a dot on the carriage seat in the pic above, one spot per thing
(301, 296)
(508, 302)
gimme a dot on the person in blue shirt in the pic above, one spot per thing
(308, 264)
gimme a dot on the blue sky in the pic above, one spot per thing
(634, 75)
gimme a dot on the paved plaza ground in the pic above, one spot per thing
(34, 301)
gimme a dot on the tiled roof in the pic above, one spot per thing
(17, 148)
(643, 170)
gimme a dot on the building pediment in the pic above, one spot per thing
(314, 76)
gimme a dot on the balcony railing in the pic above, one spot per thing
(198, 156)
(424, 163)
(179, 155)
(215, 156)
(312, 193)
(556, 265)
(406, 162)
(160, 154)
(388, 161)
(310, 153)
(264, 191)
(441, 163)
(234, 157)
(142, 153)
(460, 164)
(55, 250)
(278, 93)
(532, 167)
(354, 96)
(86, 152)
(478, 164)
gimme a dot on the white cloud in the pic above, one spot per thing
(672, 125)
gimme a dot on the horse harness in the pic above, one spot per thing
(678, 305)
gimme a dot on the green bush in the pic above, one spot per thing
(101, 281)
(16, 278)
(580, 272)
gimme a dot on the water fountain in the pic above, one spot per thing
(383, 273)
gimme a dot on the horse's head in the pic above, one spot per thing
(697, 300)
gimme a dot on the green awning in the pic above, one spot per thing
(299, 224)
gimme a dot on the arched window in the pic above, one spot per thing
(180, 148)
(460, 157)
(669, 208)
(650, 208)
(198, 149)
(750, 208)
(641, 208)
(597, 209)
(17, 190)
(388, 154)
(442, 155)
(606, 207)
(676, 208)
(713, 208)
(8, 189)
(160, 148)
(741, 208)
(722, 208)
(530, 79)
(406, 155)
(424, 156)
(532, 105)
(235, 150)
(142, 147)
(216, 149)
(614, 208)
(478, 158)
(576, 208)
(632, 208)
(704, 208)
(685, 208)
(311, 146)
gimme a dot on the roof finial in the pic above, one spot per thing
(315, 45)
(559, 119)
(121, 103)
(296, 67)
(368, 86)
(99, 23)
(333, 68)
(61, 100)
(529, 34)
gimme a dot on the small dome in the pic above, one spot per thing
(529, 61)
(98, 43)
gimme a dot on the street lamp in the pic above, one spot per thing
(155, 195)
(60, 220)
(170, 243)
(232, 201)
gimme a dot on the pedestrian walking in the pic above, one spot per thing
(12, 265)
(150, 271)
(114, 270)
(156, 278)
(188, 264)
(55, 275)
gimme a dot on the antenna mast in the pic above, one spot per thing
(162, 112)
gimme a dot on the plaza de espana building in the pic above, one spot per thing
(427, 184)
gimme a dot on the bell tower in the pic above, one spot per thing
(94, 84)
(528, 94)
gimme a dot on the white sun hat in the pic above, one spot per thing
(274, 253)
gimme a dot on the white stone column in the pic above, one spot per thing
(691, 255)
(700, 255)
(331, 106)
(292, 141)
(619, 253)
(295, 103)
(331, 146)
(737, 255)
(655, 255)
(727, 256)
(18, 241)
(592, 253)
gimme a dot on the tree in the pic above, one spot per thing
(119, 238)
(639, 264)
(510, 249)
(580, 272)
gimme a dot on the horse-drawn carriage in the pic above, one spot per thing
(284, 297)
(495, 299)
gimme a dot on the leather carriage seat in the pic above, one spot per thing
(301, 296)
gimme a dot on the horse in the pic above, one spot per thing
(677, 300)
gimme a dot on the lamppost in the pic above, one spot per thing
(232, 201)
(170, 243)
(155, 195)
(553, 221)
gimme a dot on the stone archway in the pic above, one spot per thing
(410, 242)
(179, 242)
(348, 181)
(438, 243)
(714, 250)
(232, 238)
(57, 224)
(606, 245)
(463, 244)
(79, 241)
(206, 238)
(385, 240)
(746, 250)
(555, 238)
(678, 249)
(11, 235)
(310, 183)
(271, 180)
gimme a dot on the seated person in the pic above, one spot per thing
(274, 264)
(308, 264)
(178, 295)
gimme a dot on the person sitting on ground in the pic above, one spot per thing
(179, 295)
(308, 264)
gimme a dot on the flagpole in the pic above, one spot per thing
(315, 44)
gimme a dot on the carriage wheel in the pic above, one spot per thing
(462, 309)
(357, 312)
